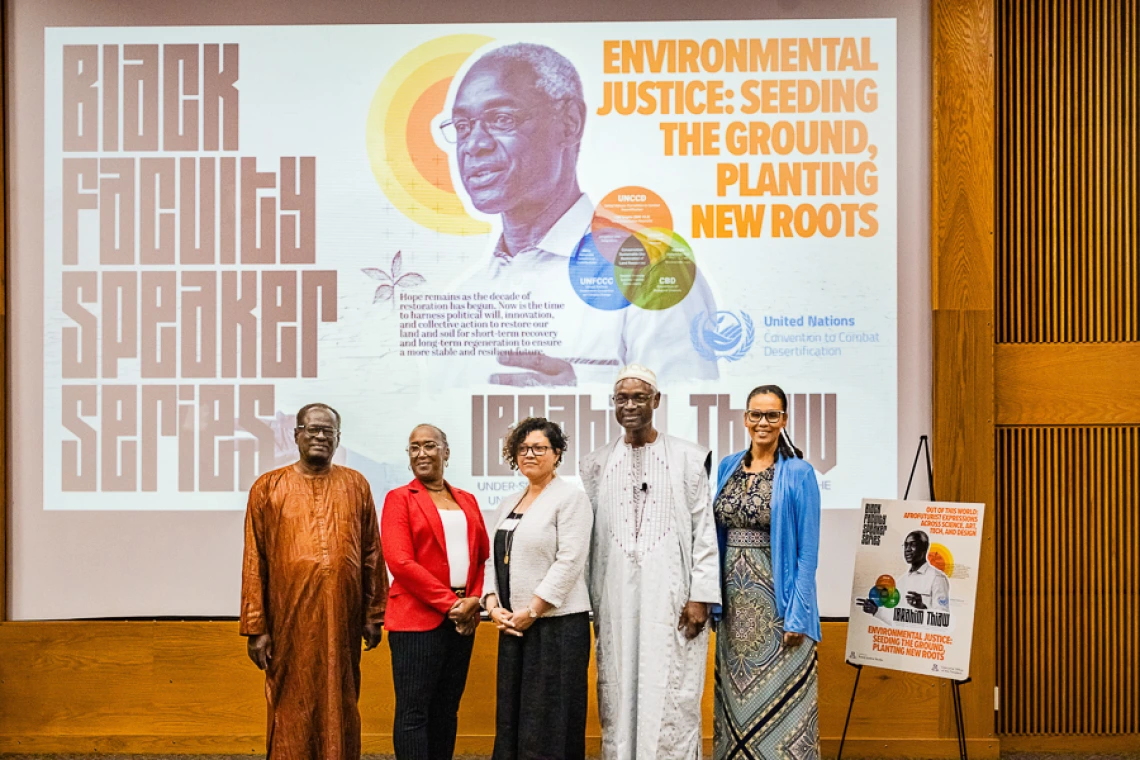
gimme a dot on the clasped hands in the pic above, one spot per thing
(511, 623)
(465, 614)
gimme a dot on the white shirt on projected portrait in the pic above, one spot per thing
(930, 583)
(595, 341)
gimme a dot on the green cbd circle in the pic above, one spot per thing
(655, 269)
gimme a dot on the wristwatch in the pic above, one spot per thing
(530, 609)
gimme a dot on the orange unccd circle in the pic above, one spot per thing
(625, 211)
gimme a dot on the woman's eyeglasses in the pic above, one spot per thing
(428, 448)
(771, 416)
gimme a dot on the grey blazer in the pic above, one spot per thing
(549, 551)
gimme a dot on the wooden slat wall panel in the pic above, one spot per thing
(1068, 581)
(1068, 163)
(1067, 326)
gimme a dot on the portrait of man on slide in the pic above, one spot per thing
(515, 127)
(922, 587)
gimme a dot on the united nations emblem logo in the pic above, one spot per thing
(722, 335)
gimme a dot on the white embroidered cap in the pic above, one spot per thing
(637, 372)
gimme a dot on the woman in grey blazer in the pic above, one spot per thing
(537, 598)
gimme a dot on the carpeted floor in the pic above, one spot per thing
(1008, 756)
(187, 757)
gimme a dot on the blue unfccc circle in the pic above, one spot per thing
(592, 277)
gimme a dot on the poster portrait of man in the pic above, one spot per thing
(515, 130)
(921, 587)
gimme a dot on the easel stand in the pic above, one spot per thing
(851, 704)
(955, 685)
(959, 723)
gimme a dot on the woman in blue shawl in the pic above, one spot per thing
(767, 517)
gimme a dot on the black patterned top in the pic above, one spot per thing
(746, 500)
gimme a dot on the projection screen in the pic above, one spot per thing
(213, 225)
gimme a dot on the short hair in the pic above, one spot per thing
(436, 428)
(920, 534)
(554, 75)
(305, 410)
(530, 425)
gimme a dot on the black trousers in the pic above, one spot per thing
(540, 710)
(429, 673)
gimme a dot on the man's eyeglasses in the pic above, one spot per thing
(428, 448)
(537, 451)
(772, 416)
(315, 430)
(639, 399)
(460, 128)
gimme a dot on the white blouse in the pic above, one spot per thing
(455, 539)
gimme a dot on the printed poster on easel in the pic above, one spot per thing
(912, 602)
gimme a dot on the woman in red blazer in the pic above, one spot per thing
(435, 544)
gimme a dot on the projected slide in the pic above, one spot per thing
(461, 225)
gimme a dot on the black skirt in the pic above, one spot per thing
(540, 711)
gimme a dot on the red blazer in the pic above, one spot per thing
(411, 533)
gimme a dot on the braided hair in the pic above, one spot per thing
(785, 447)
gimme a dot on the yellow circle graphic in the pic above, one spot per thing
(939, 556)
(406, 161)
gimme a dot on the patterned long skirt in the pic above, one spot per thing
(767, 703)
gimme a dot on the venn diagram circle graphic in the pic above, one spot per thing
(593, 279)
(624, 213)
(631, 255)
(885, 592)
